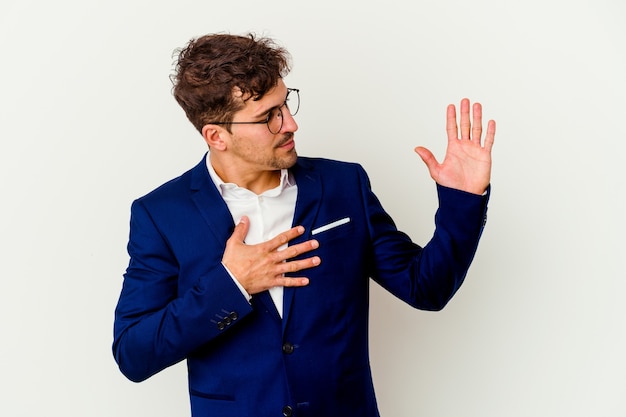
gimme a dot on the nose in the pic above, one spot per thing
(289, 122)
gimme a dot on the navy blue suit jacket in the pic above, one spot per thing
(178, 302)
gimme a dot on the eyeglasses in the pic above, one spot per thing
(274, 118)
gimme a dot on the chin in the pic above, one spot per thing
(287, 162)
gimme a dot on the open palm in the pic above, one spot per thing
(467, 163)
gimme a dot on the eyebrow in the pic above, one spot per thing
(264, 112)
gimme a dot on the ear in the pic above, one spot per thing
(214, 136)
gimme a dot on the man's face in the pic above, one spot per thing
(253, 145)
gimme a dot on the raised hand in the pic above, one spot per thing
(467, 163)
(262, 266)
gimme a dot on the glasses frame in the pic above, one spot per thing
(269, 116)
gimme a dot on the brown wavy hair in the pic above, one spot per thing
(211, 68)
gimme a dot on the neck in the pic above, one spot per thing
(254, 180)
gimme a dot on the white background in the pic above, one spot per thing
(88, 123)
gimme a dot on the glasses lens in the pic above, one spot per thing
(293, 101)
(275, 121)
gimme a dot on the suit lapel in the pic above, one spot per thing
(215, 212)
(263, 300)
(210, 203)
(307, 207)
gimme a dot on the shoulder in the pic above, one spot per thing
(334, 175)
(327, 166)
(179, 186)
(173, 186)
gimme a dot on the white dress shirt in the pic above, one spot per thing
(270, 214)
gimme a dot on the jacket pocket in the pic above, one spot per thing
(212, 396)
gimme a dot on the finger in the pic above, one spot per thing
(283, 238)
(477, 122)
(490, 135)
(465, 119)
(241, 230)
(295, 250)
(291, 282)
(299, 265)
(451, 127)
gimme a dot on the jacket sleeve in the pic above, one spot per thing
(426, 277)
(155, 325)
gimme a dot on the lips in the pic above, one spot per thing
(288, 145)
(287, 142)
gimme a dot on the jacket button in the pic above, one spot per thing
(287, 411)
(288, 349)
(233, 316)
(221, 325)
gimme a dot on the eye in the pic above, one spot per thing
(274, 113)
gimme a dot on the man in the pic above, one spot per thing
(254, 266)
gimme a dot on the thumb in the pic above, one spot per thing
(428, 157)
(241, 229)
